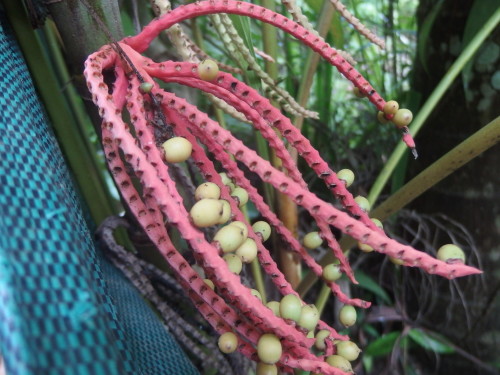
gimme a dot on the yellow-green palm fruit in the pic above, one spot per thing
(362, 203)
(265, 369)
(228, 342)
(339, 362)
(320, 339)
(269, 348)
(348, 350)
(242, 226)
(247, 251)
(347, 316)
(206, 212)
(309, 317)
(274, 306)
(229, 238)
(210, 283)
(208, 70)
(207, 190)
(241, 195)
(391, 107)
(347, 176)
(381, 117)
(367, 248)
(451, 254)
(256, 293)
(291, 307)
(332, 272)
(233, 263)
(402, 118)
(262, 228)
(225, 178)
(226, 212)
(312, 240)
(177, 149)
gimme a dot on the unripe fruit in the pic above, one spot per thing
(225, 179)
(391, 107)
(229, 238)
(146, 87)
(332, 272)
(312, 240)
(451, 254)
(358, 92)
(210, 283)
(247, 251)
(208, 70)
(228, 342)
(233, 263)
(206, 212)
(207, 190)
(231, 186)
(347, 316)
(362, 203)
(348, 350)
(320, 339)
(339, 362)
(177, 149)
(367, 248)
(269, 348)
(265, 369)
(275, 307)
(226, 212)
(402, 118)
(256, 293)
(397, 261)
(309, 317)
(241, 195)
(377, 222)
(290, 307)
(347, 176)
(381, 117)
(263, 228)
(242, 226)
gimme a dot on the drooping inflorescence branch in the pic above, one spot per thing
(276, 338)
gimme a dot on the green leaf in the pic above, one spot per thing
(425, 31)
(383, 345)
(366, 282)
(431, 341)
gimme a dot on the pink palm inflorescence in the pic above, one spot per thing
(158, 205)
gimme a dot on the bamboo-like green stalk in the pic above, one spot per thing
(432, 101)
(476, 144)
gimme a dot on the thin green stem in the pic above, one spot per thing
(432, 101)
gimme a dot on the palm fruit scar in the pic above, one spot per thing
(158, 205)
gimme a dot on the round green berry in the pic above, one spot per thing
(262, 228)
(256, 293)
(146, 87)
(269, 348)
(357, 92)
(241, 225)
(228, 342)
(177, 149)
(208, 70)
(210, 283)
(347, 316)
(265, 369)
(206, 212)
(381, 117)
(247, 251)
(402, 118)
(229, 238)
(225, 179)
(233, 263)
(309, 317)
(274, 306)
(451, 254)
(348, 350)
(339, 362)
(347, 176)
(391, 107)
(363, 203)
(226, 212)
(291, 307)
(207, 190)
(312, 240)
(241, 195)
(320, 339)
(332, 272)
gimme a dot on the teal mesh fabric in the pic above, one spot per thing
(63, 308)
